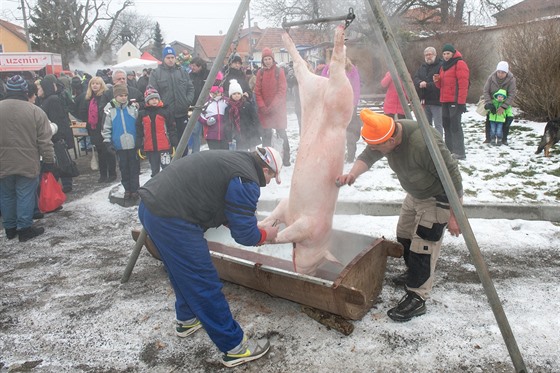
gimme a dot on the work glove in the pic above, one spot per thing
(110, 148)
(141, 154)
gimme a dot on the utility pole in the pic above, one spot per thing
(25, 26)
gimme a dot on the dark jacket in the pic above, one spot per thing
(198, 80)
(54, 107)
(186, 189)
(239, 75)
(247, 132)
(142, 83)
(430, 94)
(175, 88)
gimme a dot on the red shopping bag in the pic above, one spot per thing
(51, 196)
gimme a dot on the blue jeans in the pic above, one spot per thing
(198, 289)
(194, 140)
(496, 130)
(18, 199)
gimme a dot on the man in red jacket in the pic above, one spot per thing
(453, 82)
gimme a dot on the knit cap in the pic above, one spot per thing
(273, 159)
(267, 52)
(235, 58)
(168, 50)
(377, 128)
(17, 84)
(448, 48)
(150, 93)
(216, 87)
(503, 66)
(234, 87)
(120, 89)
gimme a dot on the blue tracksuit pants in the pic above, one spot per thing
(198, 289)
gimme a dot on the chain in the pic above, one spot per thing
(349, 18)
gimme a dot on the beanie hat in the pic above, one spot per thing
(503, 66)
(150, 93)
(235, 58)
(168, 50)
(234, 87)
(448, 48)
(120, 89)
(216, 87)
(17, 84)
(377, 128)
(273, 159)
(267, 52)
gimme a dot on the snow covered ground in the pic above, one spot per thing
(63, 308)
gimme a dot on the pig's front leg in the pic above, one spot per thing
(277, 216)
(299, 231)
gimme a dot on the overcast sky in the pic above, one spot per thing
(179, 19)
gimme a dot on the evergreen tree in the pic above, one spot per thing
(157, 48)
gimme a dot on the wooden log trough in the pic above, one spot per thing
(348, 290)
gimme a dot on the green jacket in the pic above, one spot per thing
(413, 164)
(507, 113)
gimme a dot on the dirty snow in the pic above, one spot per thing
(64, 309)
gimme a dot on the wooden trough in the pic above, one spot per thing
(349, 290)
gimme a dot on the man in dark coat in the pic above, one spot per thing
(426, 88)
(175, 88)
(199, 73)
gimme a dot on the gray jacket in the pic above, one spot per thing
(174, 87)
(25, 134)
(493, 84)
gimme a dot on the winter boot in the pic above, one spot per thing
(11, 233)
(26, 234)
(411, 305)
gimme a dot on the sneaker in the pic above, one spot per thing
(11, 233)
(248, 350)
(400, 280)
(487, 141)
(38, 215)
(184, 329)
(459, 157)
(411, 305)
(505, 142)
(67, 189)
(26, 234)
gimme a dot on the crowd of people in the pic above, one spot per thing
(129, 119)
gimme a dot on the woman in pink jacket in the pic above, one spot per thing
(270, 94)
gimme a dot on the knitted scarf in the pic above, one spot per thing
(450, 63)
(234, 109)
(93, 113)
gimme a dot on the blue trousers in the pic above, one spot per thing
(198, 289)
(496, 130)
(18, 197)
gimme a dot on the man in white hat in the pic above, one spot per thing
(201, 191)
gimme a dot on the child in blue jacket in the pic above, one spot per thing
(119, 135)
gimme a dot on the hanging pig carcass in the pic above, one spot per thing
(326, 110)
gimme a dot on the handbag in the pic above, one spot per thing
(480, 110)
(94, 164)
(51, 196)
(66, 167)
